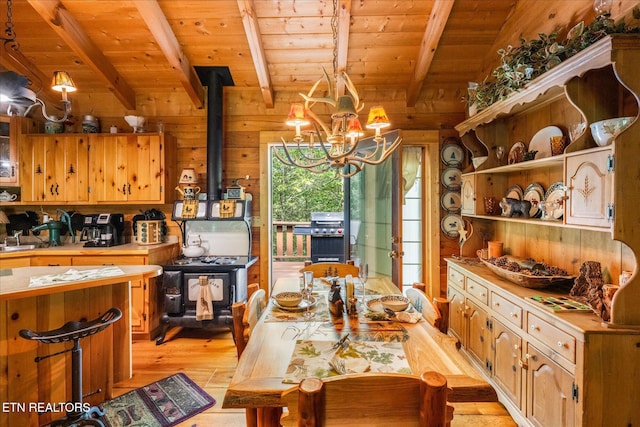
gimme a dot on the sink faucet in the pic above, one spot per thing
(16, 237)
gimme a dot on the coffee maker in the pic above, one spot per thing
(101, 230)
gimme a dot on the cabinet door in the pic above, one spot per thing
(456, 313)
(129, 168)
(75, 173)
(145, 169)
(549, 392)
(110, 167)
(57, 169)
(590, 187)
(8, 153)
(468, 195)
(478, 336)
(138, 306)
(507, 369)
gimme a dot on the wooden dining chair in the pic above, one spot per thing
(369, 400)
(435, 312)
(331, 269)
(246, 315)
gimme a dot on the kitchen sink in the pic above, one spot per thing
(9, 248)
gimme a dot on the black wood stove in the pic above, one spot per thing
(222, 228)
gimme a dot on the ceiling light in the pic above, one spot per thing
(14, 87)
(339, 144)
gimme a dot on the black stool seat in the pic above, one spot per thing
(74, 331)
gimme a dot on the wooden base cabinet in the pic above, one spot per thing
(548, 369)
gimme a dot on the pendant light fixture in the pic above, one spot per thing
(340, 144)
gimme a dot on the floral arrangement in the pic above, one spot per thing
(523, 63)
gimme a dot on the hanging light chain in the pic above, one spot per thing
(334, 34)
(9, 31)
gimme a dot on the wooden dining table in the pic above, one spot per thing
(258, 379)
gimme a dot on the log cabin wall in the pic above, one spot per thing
(245, 116)
(438, 105)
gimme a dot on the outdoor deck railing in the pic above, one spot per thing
(288, 246)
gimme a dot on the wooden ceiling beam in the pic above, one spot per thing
(435, 27)
(250, 22)
(69, 30)
(167, 41)
(344, 23)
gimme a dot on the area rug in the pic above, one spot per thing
(163, 403)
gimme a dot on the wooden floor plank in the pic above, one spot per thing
(209, 359)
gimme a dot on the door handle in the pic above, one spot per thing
(395, 254)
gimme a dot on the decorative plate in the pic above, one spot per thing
(451, 178)
(451, 201)
(452, 153)
(300, 307)
(515, 192)
(541, 141)
(535, 194)
(516, 154)
(555, 193)
(449, 225)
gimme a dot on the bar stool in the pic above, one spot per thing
(74, 331)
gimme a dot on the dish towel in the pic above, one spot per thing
(204, 306)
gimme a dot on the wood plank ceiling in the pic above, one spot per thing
(400, 49)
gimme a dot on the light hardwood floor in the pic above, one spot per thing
(209, 358)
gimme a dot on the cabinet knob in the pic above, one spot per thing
(535, 328)
(497, 304)
(516, 347)
(562, 344)
(513, 314)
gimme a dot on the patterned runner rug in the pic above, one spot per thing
(163, 403)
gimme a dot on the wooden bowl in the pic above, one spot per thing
(395, 302)
(288, 299)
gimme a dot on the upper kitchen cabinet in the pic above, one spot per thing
(11, 127)
(134, 167)
(55, 168)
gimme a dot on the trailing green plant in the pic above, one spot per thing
(521, 64)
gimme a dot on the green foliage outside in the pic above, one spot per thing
(297, 192)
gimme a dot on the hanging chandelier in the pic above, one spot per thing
(338, 145)
(14, 87)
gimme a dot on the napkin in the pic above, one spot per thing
(405, 317)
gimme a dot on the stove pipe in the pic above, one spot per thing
(215, 78)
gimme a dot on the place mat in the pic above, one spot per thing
(319, 358)
(73, 275)
(321, 309)
(163, 403)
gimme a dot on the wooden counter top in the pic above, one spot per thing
(74, 249)
(15, 281)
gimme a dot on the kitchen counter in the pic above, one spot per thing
(79, 249)
(107, 355)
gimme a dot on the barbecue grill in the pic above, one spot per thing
(327, 236)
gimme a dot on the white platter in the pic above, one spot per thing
(541, 141)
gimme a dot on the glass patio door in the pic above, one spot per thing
(375, 231)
